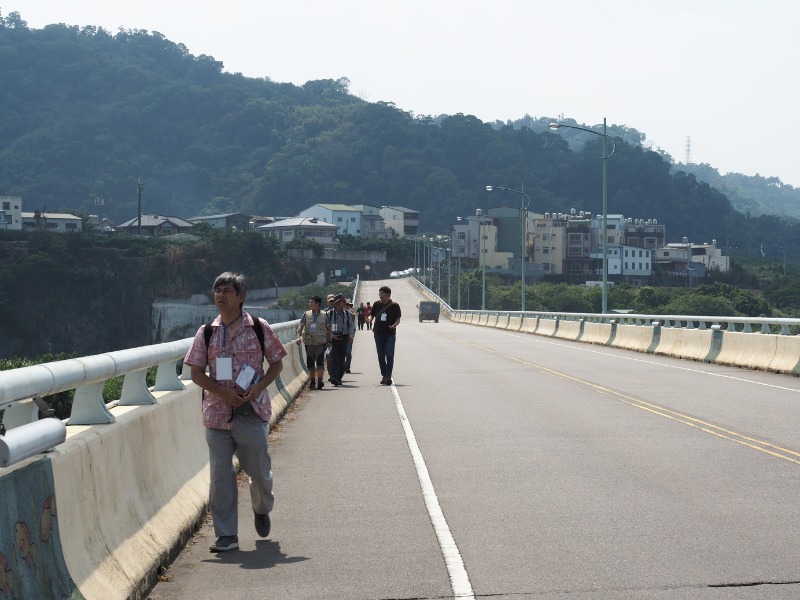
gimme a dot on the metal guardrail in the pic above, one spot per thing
(88, 375)
(21, 389)
(741, 324)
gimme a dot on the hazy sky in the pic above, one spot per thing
(725, 73)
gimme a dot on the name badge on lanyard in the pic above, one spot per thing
(224, 368)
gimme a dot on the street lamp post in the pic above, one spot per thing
(523, 228)
(483, 257)
(458, 280)
(416, 263)
(481, 219)
(605, 158)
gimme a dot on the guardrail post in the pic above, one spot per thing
(167, 378)
(20, 413)
(89, 407)
(134, 389)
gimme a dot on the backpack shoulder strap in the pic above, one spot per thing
(208, 331)
(259, 329)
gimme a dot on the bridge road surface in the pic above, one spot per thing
(551, 470)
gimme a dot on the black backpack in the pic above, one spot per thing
(208, 331)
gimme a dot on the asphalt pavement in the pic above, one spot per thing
(504, 465)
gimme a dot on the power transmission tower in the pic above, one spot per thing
(688, 159)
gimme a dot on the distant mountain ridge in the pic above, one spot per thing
(751, 195)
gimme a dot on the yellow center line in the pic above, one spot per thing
(699, 424)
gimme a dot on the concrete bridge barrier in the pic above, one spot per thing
(694, 344)
(569, 330)
(547, 327)
(126, 502)
(596, 333)
(753, 350)
(120, 497)
(787, 355)
(633, 337)
(530, 324)
(514, 323)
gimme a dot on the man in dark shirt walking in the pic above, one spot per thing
(385, 319)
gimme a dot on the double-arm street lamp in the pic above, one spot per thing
(525, 200)
(605, 158)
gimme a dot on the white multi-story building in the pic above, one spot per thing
(637, 262)
(346, 218)
(467, 243)
(372, 223)
(403, 221)
(10, 212)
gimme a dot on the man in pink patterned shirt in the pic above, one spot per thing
(236, 406)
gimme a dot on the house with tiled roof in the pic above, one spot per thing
(156, 225)
(288, 230)
(227, 221)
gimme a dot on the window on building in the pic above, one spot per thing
(6, 205)
(352, 219)
(545, 250)
(338, 219)
(71, 226)
(626, 266)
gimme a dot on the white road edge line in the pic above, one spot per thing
(459, 580)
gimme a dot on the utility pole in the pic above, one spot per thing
(141, 189)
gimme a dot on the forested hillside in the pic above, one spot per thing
(85, 113)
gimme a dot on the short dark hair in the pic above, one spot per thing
(237, 280)
(386, 290)
(317, 300)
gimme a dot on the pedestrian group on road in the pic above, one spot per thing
(330, 332)
(227, 360)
